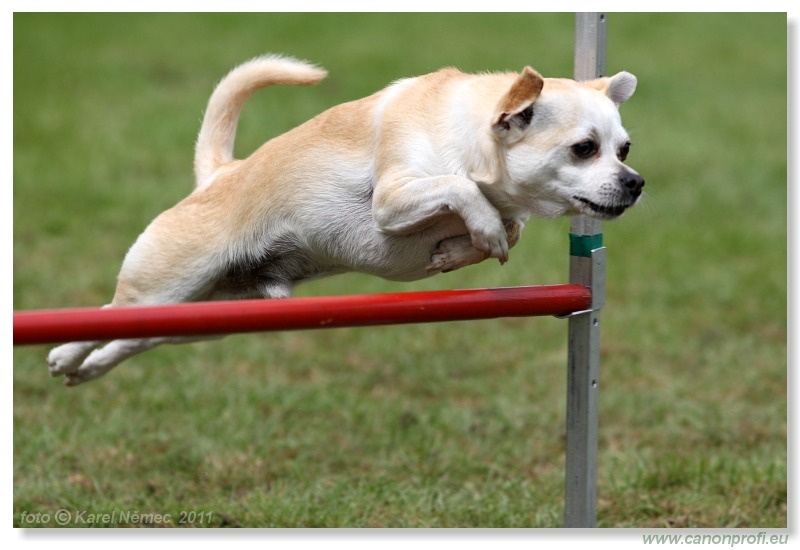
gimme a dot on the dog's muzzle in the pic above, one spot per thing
(630, 189)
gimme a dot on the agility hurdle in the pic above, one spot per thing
(580, 301)
(226, 317)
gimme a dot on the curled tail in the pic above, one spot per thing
(214, 146)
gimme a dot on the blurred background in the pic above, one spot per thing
(444, 425)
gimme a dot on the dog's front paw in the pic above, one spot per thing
(491, 240)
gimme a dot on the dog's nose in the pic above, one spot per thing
(633, 182)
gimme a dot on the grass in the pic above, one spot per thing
(447, 425)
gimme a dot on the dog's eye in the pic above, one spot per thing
(585, 149)
(622, 154)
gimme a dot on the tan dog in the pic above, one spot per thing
(428, 175)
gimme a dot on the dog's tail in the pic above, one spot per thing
(215, 143)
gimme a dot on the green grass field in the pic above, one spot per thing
(444, 425)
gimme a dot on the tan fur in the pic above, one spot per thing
(431, 174)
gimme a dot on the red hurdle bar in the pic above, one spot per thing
(225, 317)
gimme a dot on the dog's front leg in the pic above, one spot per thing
(409, 205)
(457, 252)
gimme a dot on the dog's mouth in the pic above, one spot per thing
(602, 211)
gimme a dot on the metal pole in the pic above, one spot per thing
(587, 267)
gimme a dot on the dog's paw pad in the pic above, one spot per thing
(73, 379)
(441, 262)
(85, 373)
(454, 253)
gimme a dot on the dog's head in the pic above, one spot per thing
(564, 146)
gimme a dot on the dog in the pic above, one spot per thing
(430, 174)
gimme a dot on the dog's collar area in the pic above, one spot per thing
(609, 211)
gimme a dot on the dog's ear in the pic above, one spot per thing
(515, 109)
(619, 88)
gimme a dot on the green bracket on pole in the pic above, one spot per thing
(582, 245)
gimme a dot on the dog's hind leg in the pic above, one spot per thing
(99, 361)
(162, 267)
(102, 360)
(84, 361)
(68, 357)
